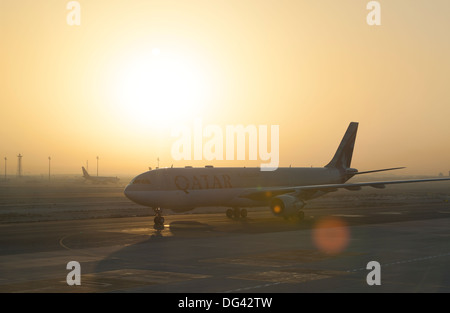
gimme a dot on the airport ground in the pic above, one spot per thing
(44, 226)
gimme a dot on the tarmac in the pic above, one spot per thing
(406, 230)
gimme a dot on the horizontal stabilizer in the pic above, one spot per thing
(374, 171)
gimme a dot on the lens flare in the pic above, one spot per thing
(331, 235)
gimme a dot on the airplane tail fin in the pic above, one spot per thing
(85, 173)
(343, 156)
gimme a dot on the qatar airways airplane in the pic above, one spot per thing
(284, 190)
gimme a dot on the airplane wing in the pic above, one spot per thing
(259, 194)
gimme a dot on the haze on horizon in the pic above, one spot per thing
(116, 85)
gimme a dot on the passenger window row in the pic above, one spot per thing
(141, 181)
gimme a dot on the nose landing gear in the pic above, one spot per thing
(159, 219)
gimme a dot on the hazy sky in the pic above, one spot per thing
(119, 83)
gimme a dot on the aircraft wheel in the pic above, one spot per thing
(230, 213)
(159, 220)
(244, 213)
(237, 213)
(301, 215)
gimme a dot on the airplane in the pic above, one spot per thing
(284, 190)
(99, 179)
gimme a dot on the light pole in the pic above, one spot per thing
(49, 159)
(5, 166)
(19, 165)
(97, 165)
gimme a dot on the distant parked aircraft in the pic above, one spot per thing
(99, 179)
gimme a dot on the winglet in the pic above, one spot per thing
(343, 156)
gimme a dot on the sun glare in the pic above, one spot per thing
(156, 51)
(159, 89)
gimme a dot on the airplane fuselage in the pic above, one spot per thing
(182, 189)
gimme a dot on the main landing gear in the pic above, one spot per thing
(236, 213)
(159, 219)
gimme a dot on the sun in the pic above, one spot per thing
(156, 51)
(159, 88)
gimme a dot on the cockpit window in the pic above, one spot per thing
(141, 181)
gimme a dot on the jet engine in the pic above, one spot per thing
(286, 205)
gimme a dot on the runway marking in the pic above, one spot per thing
(405, 261)
(444, 212)
(348, 215)
(279, 258)
(144, 276)
(253, 287)
(287, 276)
(389, 213)
(315, 276)
(62, 244)
(45, 259)
(86, 251)
(102, 282)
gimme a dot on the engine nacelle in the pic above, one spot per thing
(286, 205)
